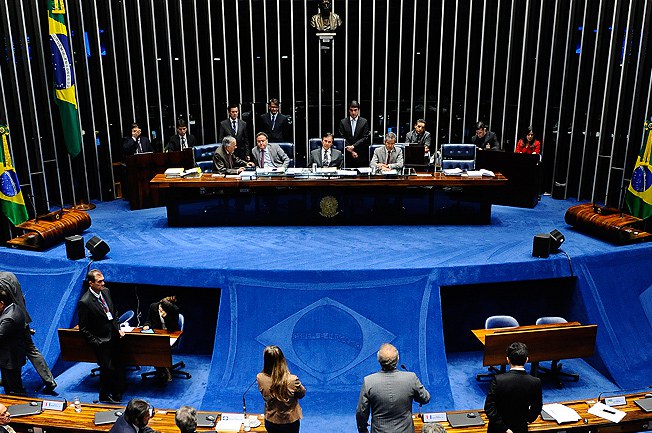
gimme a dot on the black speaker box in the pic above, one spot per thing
(97, 247)
(75, 247)
(541, 245)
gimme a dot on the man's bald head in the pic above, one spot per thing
(388, 357)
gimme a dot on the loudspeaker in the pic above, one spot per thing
(97, 247)
(75, 247)
(556, 239)
(541, 245)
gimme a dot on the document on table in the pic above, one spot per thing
(561, 413)
(607, 412)
(230, 422)
(172, 341)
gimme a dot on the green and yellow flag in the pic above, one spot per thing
(639, 193)
(64, 77)
(11, 197)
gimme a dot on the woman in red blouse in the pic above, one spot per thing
(528, 144)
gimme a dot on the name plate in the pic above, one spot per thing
(615, 401)
(54, 405)
(434, 417)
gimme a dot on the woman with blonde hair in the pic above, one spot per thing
(281, 392)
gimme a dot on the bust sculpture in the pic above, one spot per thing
(325, 20)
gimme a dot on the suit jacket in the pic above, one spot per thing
(279, 158)
(359, 137)
(281, 412)
(12, 337)
(226, 128)
(279, 132)
(489, 139)
(154, 319)
(337, 159)
(413, 138)
(130, 146)
(9, 282)
(122, 426)
(395, 157)
(514, 400)
(221, 162)
(388, 395)
(93, 322)
(174, 144)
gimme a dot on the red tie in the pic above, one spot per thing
(103, 302)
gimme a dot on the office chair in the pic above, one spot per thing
(554, 372)
(458, 156)
(125, 318)
(175, 370)
(491, 323)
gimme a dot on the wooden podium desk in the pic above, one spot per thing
(69, 421)
(544, 342)
(319, 200)
(135, 348)
(636, 420)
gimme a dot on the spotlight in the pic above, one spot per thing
(556, 239)
(97, 247)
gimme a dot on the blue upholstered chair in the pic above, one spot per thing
(125, 318)
(491, 323)
(289, 150)
(175, 370)
(458, 156)
(204, 156)
(554, 372)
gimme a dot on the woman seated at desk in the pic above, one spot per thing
(163, 314)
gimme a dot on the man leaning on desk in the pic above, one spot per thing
(387, 157)
(225, 161)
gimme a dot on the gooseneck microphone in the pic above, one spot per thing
(244, 399)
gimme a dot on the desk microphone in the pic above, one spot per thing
(244, 400)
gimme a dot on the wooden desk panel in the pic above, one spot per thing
(545, 342)
(135, 348)
(69, 421)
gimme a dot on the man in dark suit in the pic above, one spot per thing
(355, 130)
(181, 140)
(514, 398)
(12, 344)
(388, 395)
(275, 124)
(237, 129)
(268, 155)
(326, 156)
(98, 323)
(135, 418)
(9, 281)
(485, 139)
(136, 143)
(225, 161)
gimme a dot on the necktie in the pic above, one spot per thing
(105, 307)
(388, 156)
(353, 122)
(325, 161)
(273, 120)
(183, 143)
(230, 160)
(138, 148)
(262, 159)
(234, 126)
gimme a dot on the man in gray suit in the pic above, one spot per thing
(387, 157)
(12, 344)
(269, 155)
(388, 395)
(326, 156)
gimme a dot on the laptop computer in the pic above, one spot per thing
(107, 417)
(207, 419)
(31, 408)
(644, 403)
(414, 156)
(464, 419)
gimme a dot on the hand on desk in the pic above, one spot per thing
(145, 328)
(122, 333)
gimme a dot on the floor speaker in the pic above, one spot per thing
(75, 247)
(541, 245)
(97, 247)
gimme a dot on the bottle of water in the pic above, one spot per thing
(77, 404)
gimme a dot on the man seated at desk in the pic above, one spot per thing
(387, 157)
(135, 418)
(136, 143)
(326, 156)
(269, 155)
(485, 139)
(181, 140)
(225, 161)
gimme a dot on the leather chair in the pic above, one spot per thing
(125, 318)
(204, 156)
(458, 156)
(554, 372)
(289, 150)
(175, 370)
(491, 323)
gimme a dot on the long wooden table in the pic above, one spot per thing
(135, 348)
(428, 199)
(544, 342)
(69, 421)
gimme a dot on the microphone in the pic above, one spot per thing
(619, 391)
(244, 399)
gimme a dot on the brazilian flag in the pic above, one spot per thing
(11, 198)
(64, 78)
(639, 193)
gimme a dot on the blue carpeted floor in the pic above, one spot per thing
(334, 274)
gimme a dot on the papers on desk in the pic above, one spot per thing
(607, 412)
(230, 422)
(453, 171)
(364, 170)
(561, 413)
(293, 171)
(125, 327)
(480, 173)
(173, 340)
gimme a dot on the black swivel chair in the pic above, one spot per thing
(175, 370)
(491, 323)
(554, 372)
